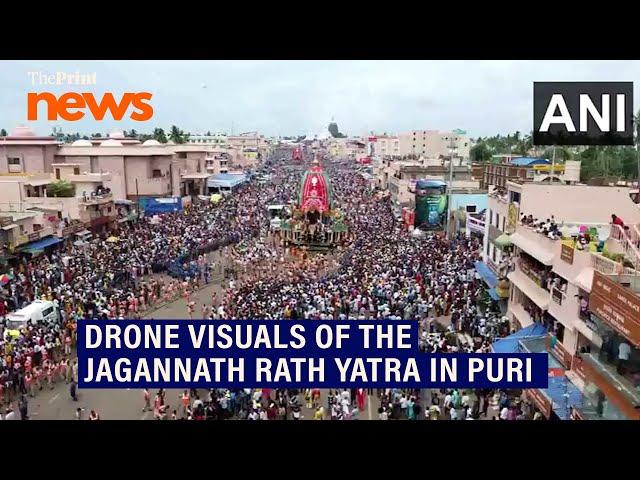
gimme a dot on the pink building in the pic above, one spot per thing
(584, 288)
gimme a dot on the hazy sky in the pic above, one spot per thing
(300, 97)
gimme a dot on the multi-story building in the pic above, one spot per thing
(400, 177)
(215, 140)
(22, 151)
(525, 169)
(433, 144)
(585, 294)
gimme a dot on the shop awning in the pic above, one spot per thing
(39, 183)
(41, 244)
(527, 286)
(195, 176)
(532, 248)
(83, 232)
(510, 344)
(502, 241)
(486, 273)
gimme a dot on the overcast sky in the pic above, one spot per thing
(301, 97)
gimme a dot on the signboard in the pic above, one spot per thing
(616, 306)
(512, 217)
(540, 401)
(566, 254)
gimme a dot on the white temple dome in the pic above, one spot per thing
(82, 143)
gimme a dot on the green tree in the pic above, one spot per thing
(480, 152)
(177, 136)
(159, 135)
(3, 133)
(132, 133)
(61, 188)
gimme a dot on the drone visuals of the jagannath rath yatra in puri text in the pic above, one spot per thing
(491, 244)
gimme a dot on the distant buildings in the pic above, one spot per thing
(107, 175)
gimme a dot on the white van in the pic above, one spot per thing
(39, 311)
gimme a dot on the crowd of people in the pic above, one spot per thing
(380, 272)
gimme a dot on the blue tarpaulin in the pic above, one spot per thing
(510, 344)
(40, 244)
(494, 295)
(153, 206)
(564, 395)
(487, 274)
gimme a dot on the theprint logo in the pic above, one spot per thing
(583, 113)
(72, 106)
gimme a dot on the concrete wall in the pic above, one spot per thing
(578, 203)
(34, 158)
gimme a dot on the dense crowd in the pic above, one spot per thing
(380, 272)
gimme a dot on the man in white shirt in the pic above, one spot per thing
(624, 352)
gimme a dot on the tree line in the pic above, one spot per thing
(175, 134)
(621, 162)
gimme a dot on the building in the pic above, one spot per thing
(586, 297)
(90, 202)
(136, 170)
(24, 152)
(215, 140)
(433, 144)
(525, 169)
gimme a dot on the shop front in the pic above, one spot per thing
(610, 370)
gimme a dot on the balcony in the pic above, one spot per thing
(475, 224)
(519, 315)
(89, 177)
(43, 232)
(96, 199)
(152, 186)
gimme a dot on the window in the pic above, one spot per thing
(76, 170)
(182, 154)
(503, 223)
(497, 220)
(515, 196)
(13, 161)
(156, 173)
(471, 208)
(57, 174)
(490, 217)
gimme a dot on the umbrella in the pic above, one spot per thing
(4, 279)
(216, 197)
(112, 239)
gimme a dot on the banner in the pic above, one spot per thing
(281, 354)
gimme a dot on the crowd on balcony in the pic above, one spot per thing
(548, 227)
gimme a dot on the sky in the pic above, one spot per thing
(301, 97)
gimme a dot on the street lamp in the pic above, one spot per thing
(452, 150)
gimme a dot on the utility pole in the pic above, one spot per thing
(452, 150)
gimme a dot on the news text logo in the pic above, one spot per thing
(583, 113)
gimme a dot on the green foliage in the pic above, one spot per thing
(3, 133)
(159, 135)
(177, 136)
(61, 188)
